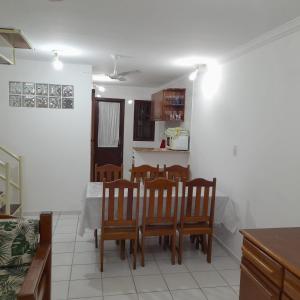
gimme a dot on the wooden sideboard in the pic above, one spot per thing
(270, 268)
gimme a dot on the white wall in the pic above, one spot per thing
(256, 108)
(55, 144)
(131, 93)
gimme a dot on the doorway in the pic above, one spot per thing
(107, 132)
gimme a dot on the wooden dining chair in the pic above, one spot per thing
(159, 212)
(120, 214)
(197, 212)
(177, 172)
(143, 172)
(108, 172)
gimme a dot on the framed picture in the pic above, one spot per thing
(15, 87)
(54, 102)
(41, 101)
(28, 101)
(15, 100)
(67, 91)
(28, 88)
(54, 90)
(41, 89)
(68, 103)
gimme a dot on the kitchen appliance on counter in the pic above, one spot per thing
(177, 139)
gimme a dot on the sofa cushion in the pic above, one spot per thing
(11, 280)
(18, 242)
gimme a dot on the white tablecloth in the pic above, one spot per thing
(90, 217)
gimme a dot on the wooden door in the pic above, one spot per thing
(104, 155)
(254, 285)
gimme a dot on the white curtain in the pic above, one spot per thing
(109, 122)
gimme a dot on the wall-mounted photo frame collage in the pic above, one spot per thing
(41, 95)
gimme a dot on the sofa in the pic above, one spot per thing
(25, 258)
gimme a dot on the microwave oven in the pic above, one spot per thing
(180, 142)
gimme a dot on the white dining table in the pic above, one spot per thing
(90, 217)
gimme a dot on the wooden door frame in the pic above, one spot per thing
(94, 110)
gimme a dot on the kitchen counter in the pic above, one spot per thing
(160, 150)
(150, 156)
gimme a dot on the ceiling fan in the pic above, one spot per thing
(115, 75)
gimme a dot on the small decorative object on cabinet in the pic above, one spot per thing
(270, 268)
(168, 105)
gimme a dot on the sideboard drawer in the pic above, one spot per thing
(264, 263)
(291, 285)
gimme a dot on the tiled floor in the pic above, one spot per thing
(76, 274)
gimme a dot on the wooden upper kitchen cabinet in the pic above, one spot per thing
(270, 268)
(168, 105)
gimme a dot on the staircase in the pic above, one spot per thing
(8, 186)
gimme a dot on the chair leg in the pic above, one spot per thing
(143, 250)
(135, 242)
(204, 244)
(96, 238)
(101, 253)
(173, 241)
(122, 250)
(197, 245)
(192, 239)
(180, 250)
(159, 240)
(166, 242)
(209, 250)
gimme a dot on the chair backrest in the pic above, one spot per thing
(143, 172)
(198, 201)
(118, 208)
(160, 202)
(108, 172)
(177, 172)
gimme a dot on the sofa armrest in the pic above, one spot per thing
(38, 275)
(37, 282)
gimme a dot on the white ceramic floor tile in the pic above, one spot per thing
(65, 229)
(150, 268)
(62, 259)
(83, 258)
(151, 283)
(220, 293)
(209, 279)
(194, 265)
(116, 269)
(188, 295)
(118, 286)
(156, 296)
(166, 267)
(231, 276)
(63, 237)
(236, 288)
(122, 297)
(224, 263)
(180, 281)
(85, 288)
(85, 272)
(60, 273)
(59, 290)
(92, 298)
(85, 246)
(63, 247)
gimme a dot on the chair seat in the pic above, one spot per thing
(158, 230)
(195, 228)
(11, 280)
(114, 233)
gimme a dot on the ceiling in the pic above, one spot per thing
(154, 33)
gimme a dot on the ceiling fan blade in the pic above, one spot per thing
(129, 72)
(121, 78)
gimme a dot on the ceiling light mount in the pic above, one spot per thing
(57, 63)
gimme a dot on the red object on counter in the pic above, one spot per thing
(163, 144)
